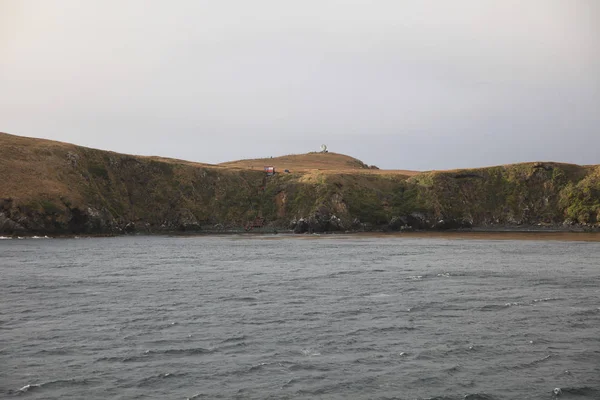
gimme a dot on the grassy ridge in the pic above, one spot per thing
(53, 187)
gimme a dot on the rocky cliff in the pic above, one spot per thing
(50, 187)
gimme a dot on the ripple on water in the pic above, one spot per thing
(212, 317)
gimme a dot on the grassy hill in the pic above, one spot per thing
(54, 188)
(311, 162)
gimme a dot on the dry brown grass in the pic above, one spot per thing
(327, 163)
(29, 167)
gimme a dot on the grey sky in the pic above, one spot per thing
(417, 84)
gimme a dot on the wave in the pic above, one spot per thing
(310, 352)
(532, 302)
(545, 299)
(454, 369)
(200, 396)
(351, 313)
(257, 367)
(186, 352)
(427, 381)
(276, 321)
(312, 313)
(308, 367)
(243, 299)
(55, 352)
(494, 307)
(234, 339)
(440, 398)
(334, 389)
(479, 396)
(295, 381)
(532, 363)
(5, 238)
(341, 273)
(231, 346)
(56, 383)
(29, 387)
(378, 295)
(385, 329)
(151, 353)
(151, 380)
(588, 312)
(586, 391)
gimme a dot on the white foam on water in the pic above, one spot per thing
(544, 299)
(310, 353)
(28, 387)
(557, 391)
(5, 238)
(379, 295)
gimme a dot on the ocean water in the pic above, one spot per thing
(288, 317)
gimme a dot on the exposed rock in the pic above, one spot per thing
(129, 228)
(335, 224)
(301, 226)
(318, 223)
(6, 204)
(186, 221)
(450, 223)
(9, 226)
(417, 221)
(79, 190)
(72, 158)
(397, 223)
(541, 165)
(338, 205)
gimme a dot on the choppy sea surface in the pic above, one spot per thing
(284, 317)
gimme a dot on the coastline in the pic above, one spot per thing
(480, 233)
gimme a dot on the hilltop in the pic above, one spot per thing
(312, 162)
(51, 187)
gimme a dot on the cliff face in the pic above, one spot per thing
(56, 188)
(51, 187)
(519, 194)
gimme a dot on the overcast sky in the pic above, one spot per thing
(417, 84)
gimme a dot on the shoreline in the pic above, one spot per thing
(504, 233)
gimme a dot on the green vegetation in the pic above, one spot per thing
(98, 171)
(50, 208)
(581, 200)
(108, 192)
